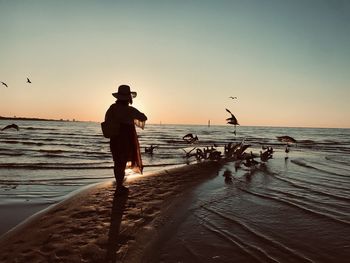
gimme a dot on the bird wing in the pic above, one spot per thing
(7, 127)
(244, 147)
(291, 139)
(286, 139)
(192, 149)
(228, 111)
(232, 120)
(13, 126)
(189, 150)
(188, 136)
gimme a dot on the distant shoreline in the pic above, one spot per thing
(33, 119)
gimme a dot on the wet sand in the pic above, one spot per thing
(254, 217)
(13, 214)
(96, 225)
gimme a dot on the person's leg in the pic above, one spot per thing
(118, 148)
(119, 172)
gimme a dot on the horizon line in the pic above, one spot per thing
(160, 124)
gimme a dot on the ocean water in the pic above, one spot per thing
(46, 160)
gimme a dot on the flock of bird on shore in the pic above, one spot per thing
(232, 151)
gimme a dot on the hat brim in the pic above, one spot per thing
(119, 96)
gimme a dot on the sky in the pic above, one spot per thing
(286, 61)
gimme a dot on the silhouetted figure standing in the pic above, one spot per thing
(124, 143)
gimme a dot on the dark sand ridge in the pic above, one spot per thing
(97, 226)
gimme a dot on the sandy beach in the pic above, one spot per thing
(95, 225)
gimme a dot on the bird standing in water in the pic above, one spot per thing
(150, 149)
(288, 140)
(286, 150)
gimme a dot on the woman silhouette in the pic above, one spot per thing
(124, 143)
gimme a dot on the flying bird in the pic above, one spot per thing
(232, 97)
(28, 80)
(3, 83)
(286, 139)
(190, 138)
(232, 120)
(13, 126)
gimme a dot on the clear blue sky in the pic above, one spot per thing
(288, 62)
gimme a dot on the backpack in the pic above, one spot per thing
(110, 127)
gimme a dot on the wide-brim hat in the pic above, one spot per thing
(124, 93)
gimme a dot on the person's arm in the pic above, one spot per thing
(137, 115)
(139, 118)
